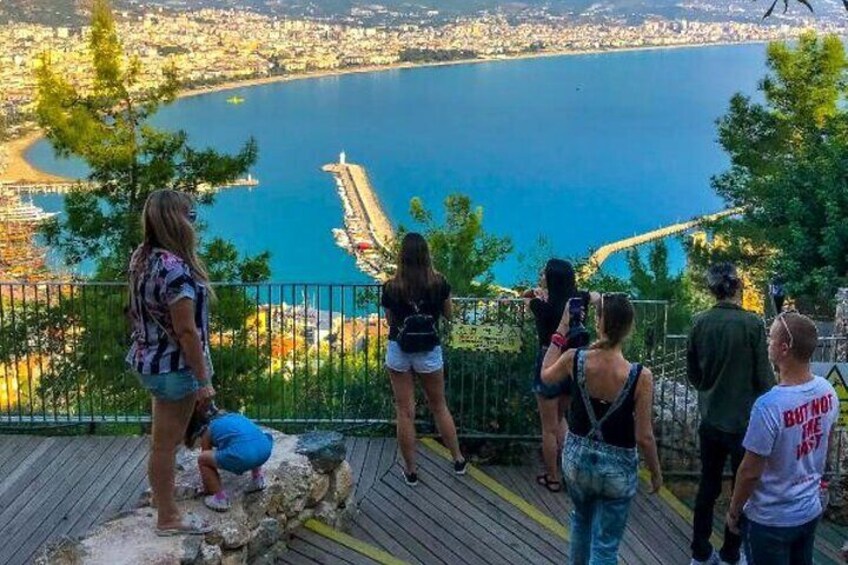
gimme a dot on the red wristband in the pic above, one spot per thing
(559, 340)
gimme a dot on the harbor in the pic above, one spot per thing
(65, 187)
(367, 233)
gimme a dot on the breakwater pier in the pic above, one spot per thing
(368, 233)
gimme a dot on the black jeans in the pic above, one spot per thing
(779, 546)
(716, 448)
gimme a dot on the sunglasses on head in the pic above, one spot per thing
(782, 317)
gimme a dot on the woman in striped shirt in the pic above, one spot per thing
(169, 295)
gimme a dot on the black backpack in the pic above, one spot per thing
(417, 333)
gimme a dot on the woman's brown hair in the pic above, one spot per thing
(415, 276)
(615, 320)
(166, 224)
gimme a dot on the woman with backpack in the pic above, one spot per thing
(557, 285)
(610, 415)
(414, 301)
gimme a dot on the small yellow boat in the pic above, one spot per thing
(235, 100)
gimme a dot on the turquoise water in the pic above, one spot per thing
(582, 150)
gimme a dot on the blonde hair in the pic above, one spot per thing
(166, 225)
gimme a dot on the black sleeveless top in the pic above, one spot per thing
(620, 428)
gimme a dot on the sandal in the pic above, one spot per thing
(190, 525)
(545, 481)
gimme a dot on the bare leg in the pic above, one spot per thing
(209, 472)
(403, 387)
(551, 428)
(170, 420)
(434, 388)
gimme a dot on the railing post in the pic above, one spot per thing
(840, 326)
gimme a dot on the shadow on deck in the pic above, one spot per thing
(52, 486)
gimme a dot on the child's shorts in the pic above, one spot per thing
(244, 456)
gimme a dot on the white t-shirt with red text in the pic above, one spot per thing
(790, 425)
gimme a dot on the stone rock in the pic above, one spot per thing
(266, 535)
(342, 484)
(320, 487)
(238, 557)
(233, 535)
(325, 450)
(209, 555)
(272, 555)
(255, 525)
(65, 551)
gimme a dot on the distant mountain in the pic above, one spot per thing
(376, 12)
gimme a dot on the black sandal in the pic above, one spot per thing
(545, 481)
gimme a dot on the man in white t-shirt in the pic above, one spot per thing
(776, 497)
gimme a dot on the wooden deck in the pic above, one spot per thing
(54, 486)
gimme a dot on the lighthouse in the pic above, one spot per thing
(342, 158)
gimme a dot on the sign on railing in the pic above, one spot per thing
(485, 337)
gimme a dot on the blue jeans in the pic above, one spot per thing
(170, 387)
(770, 545)
(602, 482)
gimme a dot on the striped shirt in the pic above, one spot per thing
(164, 280)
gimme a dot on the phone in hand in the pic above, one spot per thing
(575, 309)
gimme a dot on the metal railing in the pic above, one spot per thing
(287, 354)
(676, 415)
(305, 356)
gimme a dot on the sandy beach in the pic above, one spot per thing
(20, 170)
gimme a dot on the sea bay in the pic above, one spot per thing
(581, 150)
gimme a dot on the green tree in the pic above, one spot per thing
(462, 250)
(107, 125)
(789, 169)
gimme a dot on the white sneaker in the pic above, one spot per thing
(256, 484)
(217, 504)
(713, 560)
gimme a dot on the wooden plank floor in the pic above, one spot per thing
(51, 486)
(54, 486)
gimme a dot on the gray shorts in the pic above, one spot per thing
(421, 363)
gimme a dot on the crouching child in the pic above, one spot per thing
(231, 442)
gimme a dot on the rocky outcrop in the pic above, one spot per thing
(307, 478)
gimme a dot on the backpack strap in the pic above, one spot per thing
(595, 431)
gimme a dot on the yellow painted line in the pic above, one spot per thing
(531, 511)
(356, 545)
(678, 506)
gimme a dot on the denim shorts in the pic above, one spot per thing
(171, 386)
(542, 389)
(422, 363)
(598, 469)
(244, 456)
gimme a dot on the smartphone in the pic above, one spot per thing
(575, 308)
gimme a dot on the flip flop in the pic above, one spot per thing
(545, 481)
(191, 525)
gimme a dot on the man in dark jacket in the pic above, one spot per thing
(728, 364)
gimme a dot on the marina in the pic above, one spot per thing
(368, 233)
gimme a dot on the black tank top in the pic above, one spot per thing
(620, 428)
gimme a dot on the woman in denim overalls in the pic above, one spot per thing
(610, 416)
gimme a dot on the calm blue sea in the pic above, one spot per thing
(581, 150)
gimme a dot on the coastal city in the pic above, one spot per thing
(211, 47)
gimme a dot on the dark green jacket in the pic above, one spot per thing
(728, 364)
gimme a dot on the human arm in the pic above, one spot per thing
(693, 366)
(188, 336)
(747, 477)
(206, 440)
(759, 443)
(557, 365)
(645, 428)
(447, 308)
(763, 373)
